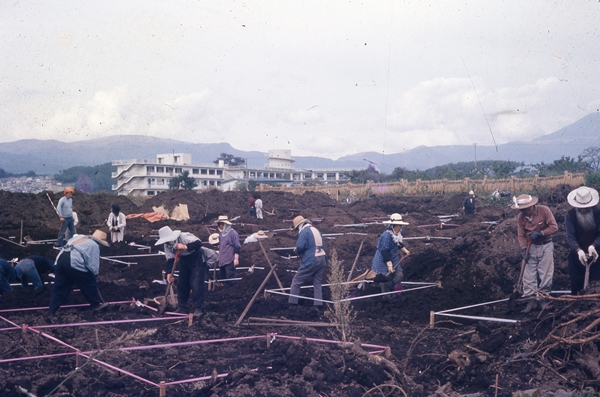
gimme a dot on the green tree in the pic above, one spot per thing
(4, 174)
(99, 175)
(230, 159)
(184, 180)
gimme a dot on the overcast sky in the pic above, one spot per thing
(323, 78)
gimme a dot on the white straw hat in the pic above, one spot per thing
(395, 219)
(166, 235)
(583, 197)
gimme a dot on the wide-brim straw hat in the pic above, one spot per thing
(523, 201)
(213, 239)
(166, 235)
(224, 219)
(260, 234)
(299, 220)
(395, 219)
(100, 237)
(583, 197)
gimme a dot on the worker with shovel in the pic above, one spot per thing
(535, 227)
(192, 267)
(582, 224)
(386, 262)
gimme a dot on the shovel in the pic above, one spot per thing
(518, 291)
(169, 294)
(586, 280)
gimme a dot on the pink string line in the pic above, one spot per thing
(64, 306)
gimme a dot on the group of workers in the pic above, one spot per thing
(79, 259)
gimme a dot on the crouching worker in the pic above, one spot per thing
(387, 256)
(31, 269)
(191, 265)
(78, 264)
(310, 247)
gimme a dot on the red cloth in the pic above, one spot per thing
(150, 216)
(251, 202)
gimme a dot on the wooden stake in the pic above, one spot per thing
(190, 319)
(431, 318)
(239, 320)
(269, 262)
(162, 389)
(496, 393)
(268, 341)
(355, 260)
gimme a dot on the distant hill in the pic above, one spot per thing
(51, 156)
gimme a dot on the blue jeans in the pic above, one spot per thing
(66, 224)
(30, 274)
(228, 271)
(313, 272)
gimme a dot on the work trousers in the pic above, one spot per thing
(65, 278)
(313, 272)
(577, 272)
(540, 265)
(192, 277)
(228, 271)
(66, 224)
(397, 278)
(30, 274)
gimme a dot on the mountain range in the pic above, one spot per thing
(52, 156)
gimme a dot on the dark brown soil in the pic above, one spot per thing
(480, 263)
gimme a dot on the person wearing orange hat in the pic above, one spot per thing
(535, 227)
(65, 212)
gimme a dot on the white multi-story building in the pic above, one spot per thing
(145, 178)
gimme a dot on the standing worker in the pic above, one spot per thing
(535, 227)
(582, 224)
(192, 267)
(65, 212)
(116, 224)
(468, 206)
(387, 256)
(78, 263)
(229, 249)
(258, 205)
(310, 247)
(251, 208)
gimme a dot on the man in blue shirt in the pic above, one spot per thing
(310, 247)
(65, 212)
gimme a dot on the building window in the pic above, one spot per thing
(161, 182)
(151, 193)
(149, 169)
(160, 169)
(212, 183)
(211, 172)
(307, 176)
(178, 170)
(331, 175)
(219, 172)
(252, 174)
(195, 171)
(151, 181)
(218, 183)
(175, 159)
(319, 175)
(203, 171)
(169, 170)
(160, 160)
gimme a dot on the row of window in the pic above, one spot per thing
(165, 182)
(150, 169)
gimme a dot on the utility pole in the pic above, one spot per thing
(475, 145)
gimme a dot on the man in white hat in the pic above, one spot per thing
(468, 206)
(78, 263)
(535, 227)
(191, 265)
(229, 249)
(310, 248)
(582, 224)
(387, 255)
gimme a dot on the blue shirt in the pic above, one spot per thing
(85, 256)
(306, 246)
(387, 250)
(65, 207)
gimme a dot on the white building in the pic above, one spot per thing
(144, 178)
